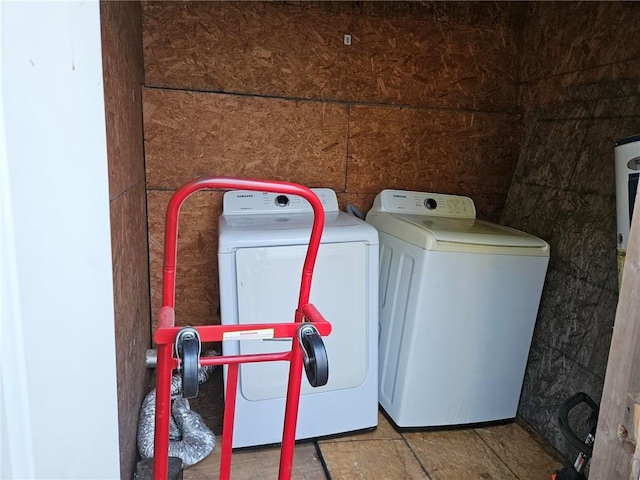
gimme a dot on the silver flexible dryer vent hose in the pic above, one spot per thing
(189, 438)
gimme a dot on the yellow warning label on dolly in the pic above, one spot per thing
(261, 334)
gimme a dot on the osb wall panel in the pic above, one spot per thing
(555, 89)
(197, 301)
(460, 57)
(123, 75)
(190, 134)
(121, 29)
(433, 150)
(131, 301)
(564, 192)
(270, 90)
(567, 43)
(463, 13)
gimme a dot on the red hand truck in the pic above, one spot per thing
(179, 348)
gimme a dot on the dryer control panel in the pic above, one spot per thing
(248, 201)
(424, 203)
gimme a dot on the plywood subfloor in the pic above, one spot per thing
(502, 452)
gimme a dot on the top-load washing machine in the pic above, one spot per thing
(458, 305)
(262, 242)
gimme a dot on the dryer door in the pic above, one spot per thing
(268, 282)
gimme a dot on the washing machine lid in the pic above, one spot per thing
(447, 223)
(260, 219)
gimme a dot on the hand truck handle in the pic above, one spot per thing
(227, 183)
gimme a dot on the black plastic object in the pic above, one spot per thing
(625, 140)
(563, 421)
(430, 203)
(316, 363)
(568, 473)
(188, 350)
(632, 189)
(144, 469)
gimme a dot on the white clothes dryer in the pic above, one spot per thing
(458, 304)
(262, 242)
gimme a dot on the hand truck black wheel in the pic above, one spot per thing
(188, 350)
(316, 363)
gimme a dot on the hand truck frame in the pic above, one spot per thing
(179, 348)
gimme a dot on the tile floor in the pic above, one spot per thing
(502, 452)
